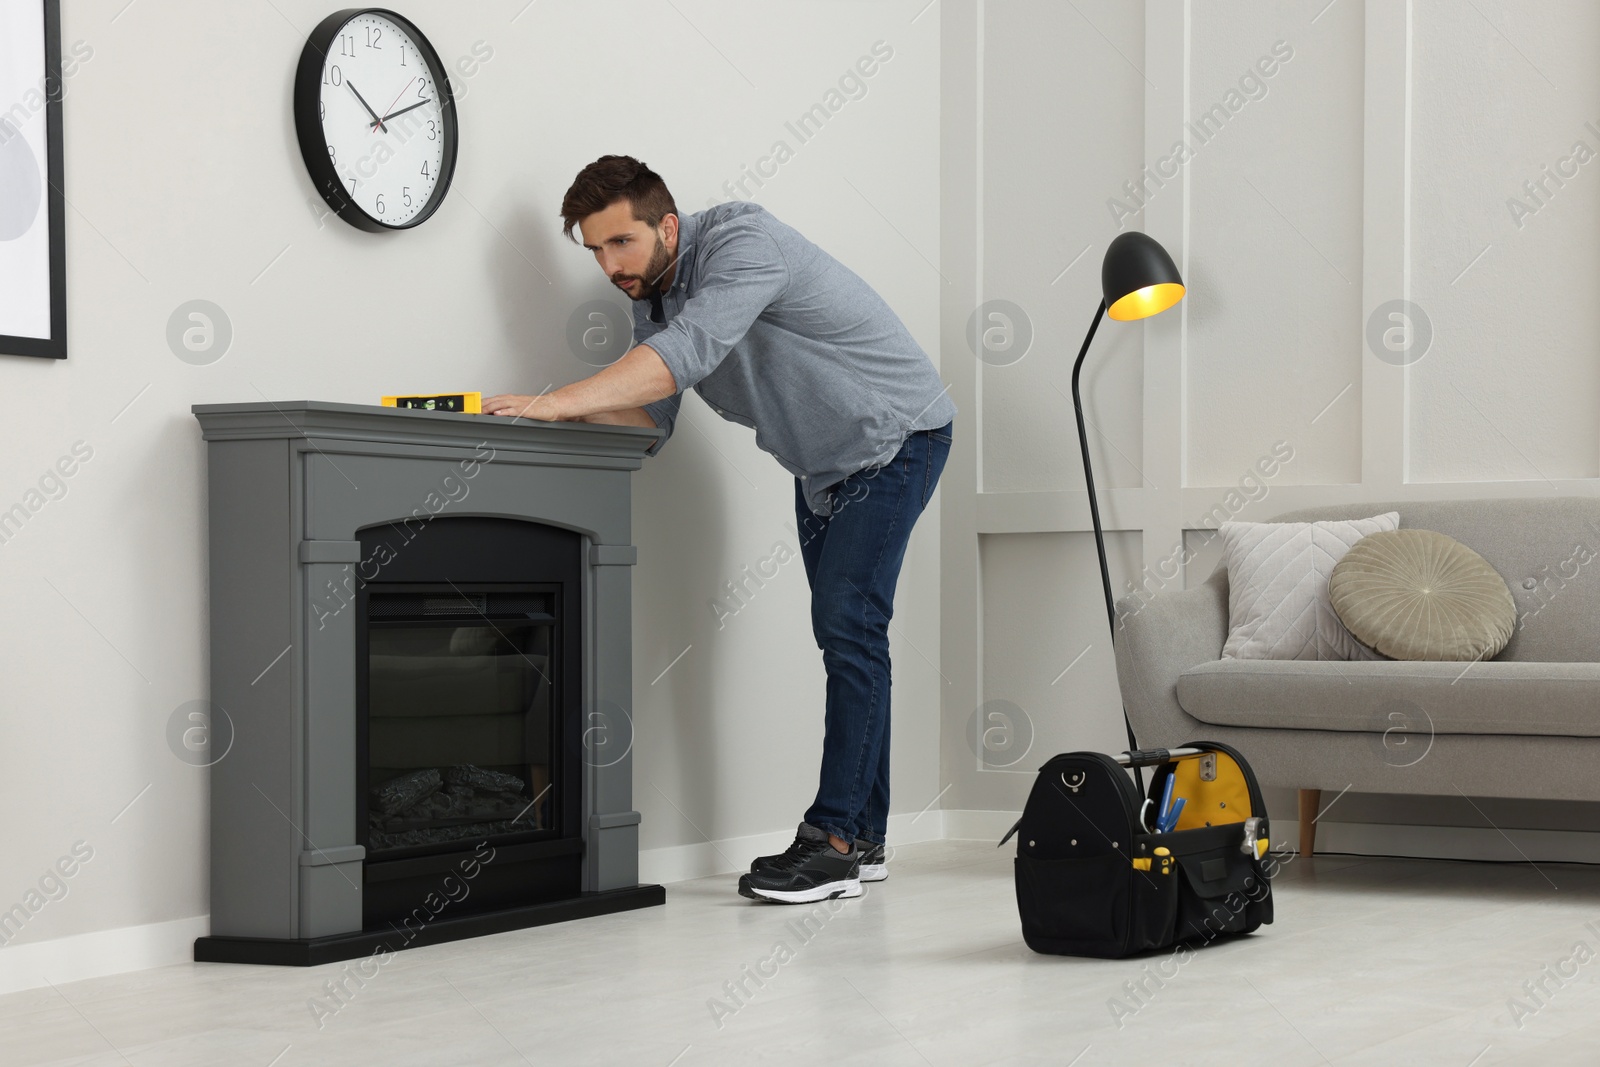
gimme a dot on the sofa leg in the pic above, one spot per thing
(1310, 801)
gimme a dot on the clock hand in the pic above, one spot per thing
(392, 103)
(376, 121)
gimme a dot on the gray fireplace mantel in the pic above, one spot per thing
(291, 484)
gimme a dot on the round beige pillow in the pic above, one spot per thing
(1417, 594)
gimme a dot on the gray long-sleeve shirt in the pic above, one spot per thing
(776, 334)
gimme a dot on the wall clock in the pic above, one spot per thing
(376, 119)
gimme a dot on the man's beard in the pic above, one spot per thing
(653, 272)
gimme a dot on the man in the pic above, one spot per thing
(777, 335)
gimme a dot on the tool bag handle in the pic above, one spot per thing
(1136, 757)
(1150, 757)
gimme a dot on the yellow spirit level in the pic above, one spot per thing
(470, 403)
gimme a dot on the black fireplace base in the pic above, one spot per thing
(314, 951)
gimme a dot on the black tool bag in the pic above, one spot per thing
(1093, 878)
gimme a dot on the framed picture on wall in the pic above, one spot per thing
(33, 270)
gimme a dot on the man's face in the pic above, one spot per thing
(634, 256)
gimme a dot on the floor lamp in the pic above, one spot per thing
(1138, 280)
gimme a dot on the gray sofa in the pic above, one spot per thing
(1524, 724)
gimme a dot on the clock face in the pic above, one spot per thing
(384, 119)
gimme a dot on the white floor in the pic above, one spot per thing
(1370, 961)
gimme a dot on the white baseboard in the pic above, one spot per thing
(95, 955)
(682, 863)
(974, 825)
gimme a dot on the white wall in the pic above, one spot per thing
(1373, 163)
(185, 182)
(1054, 131)
(1511, 387)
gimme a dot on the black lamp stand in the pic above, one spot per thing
(1094, 505)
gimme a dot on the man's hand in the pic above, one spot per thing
(639, 377)
(542, 408)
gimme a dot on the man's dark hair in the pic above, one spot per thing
(612, 178)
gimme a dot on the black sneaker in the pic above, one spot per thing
(811, 870)
(782, 861)
(874, 861)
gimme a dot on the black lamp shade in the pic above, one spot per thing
(1138, 278)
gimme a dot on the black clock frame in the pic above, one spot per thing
(314, 144)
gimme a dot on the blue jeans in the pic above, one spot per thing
(853, 559)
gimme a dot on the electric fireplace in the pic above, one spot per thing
(417, 621)
(469, 712)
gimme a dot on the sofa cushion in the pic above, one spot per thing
(1278, 605)
(1418, 594)
(1546, 548)
(1494, 697)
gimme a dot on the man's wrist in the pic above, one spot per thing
(556, 408)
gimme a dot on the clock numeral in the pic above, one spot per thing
(374, 34)
(333, 76)
(402, 56)
(381, 209)
(405, 194)
(433, 130)
(347, 44)
(422, 91)
(352, 182)
(333, 157)
(322, 111)
(425, 173)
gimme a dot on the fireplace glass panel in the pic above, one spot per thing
(459, 720)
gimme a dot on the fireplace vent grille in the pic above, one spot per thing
(455, 605)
